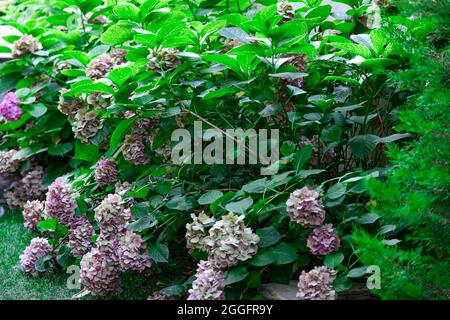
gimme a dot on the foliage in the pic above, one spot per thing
(413, 201)
(114, 79)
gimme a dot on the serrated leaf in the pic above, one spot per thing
(159, 252)
(336, 191)
(283, 253)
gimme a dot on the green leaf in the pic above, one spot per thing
(60, 149)
(368, 218)
(235, 275)
(119, 133)
(362, 146)
(219, 93)
(257, 186)
(86, 152)
(40, 264)
(336, 191)
(64, 257)
(377, 64)
(48, 225)
(159, 252)
(319, 13)
(283, 253)
(333, 260)
(120, 75)
(223, 60)
(126, 11)
(353, 48)
(239, 207)
(142, 224)
(357, 272)
(268, 236)
(88, 86)
(302, 157)
(262, 259)
(180, 202)
(37, 110)
(116, 34)
(209, 197)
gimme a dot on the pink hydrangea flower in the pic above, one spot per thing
(10, 107)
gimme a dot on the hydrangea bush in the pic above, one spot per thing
(94, 90)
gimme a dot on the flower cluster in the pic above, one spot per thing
(106, 172)
(86, 124)
(80, 236)
(299, 62)
(305, 207)
(26, 44)
(118, 55)
(228, 241)
(10, 107)
(323, 240)
(164, 59)
(208, 283)
(32, 214)
(100, 66)
(98, 274)
(195, 231)
(133, 149)
(110, 215)
(316, 284)
(7, 164)
(38, 248)
(60, 203)
(27, 188)
(132, 253)
(70, 105)
(285, 9)
(117, 249)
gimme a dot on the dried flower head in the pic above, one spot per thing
(110, 215)
(32, 183)
(98, 274)
(305, 207)
(15, 195)
(132, 252)
(80, 236)
(10, 107)
(316, 284)
(106, 172)
(133, 149)
(60, 202)
(32, 214)
(26, 44)
(208, 283)
(285, 9)
(118, 55)
(100, 67)
(323, 240)
(62, 65)
(164, 59)
(229, 241)
(70, 105)
(7, 164)
(38, 248)
(86, 124)
(195, 231)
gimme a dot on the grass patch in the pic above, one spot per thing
(16, 285)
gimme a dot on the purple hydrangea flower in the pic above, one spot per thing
(323, 240)
(106, 172)
(38, 248)
(208, 283)
(81, 232)
(60, 203)
(316, 284)
(10, 107)
(305, 207)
